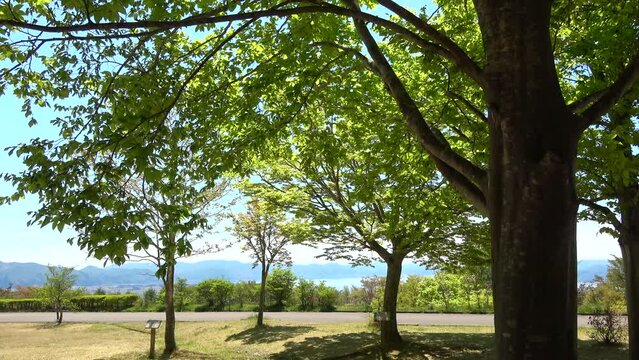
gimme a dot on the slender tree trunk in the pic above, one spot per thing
(444, 292)
(532, 198)
(262, 301)
(389, 334)
(629, 243)
(169, 329)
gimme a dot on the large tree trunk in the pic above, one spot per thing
(629, 243)
(532, 198)
(262, 301)
(389, 334)
(169, 329)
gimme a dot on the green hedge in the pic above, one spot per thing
(94, 303)
(104, 302)
(26, 305)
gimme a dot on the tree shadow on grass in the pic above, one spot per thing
(126, 327)
(593, 350)
(365, 346)
(346, 346)
(49, 326)
(268, 334)
(447, 346)
(179, 354)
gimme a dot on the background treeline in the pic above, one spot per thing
(443, 292)
(446, 291)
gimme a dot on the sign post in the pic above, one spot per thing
(153, 325)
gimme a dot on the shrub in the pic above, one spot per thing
(306, 292)
(326, 297)
(608, 327)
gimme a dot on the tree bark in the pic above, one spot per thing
(170, 344)
(390, 336)
(262, 301)
(532, 198)
(629, 242)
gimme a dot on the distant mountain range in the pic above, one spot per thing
(139, 274)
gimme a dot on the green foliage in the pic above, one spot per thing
(608, 293)
(616, 275)
(306, 292)
(409, 292)
(476, 285)
(279, 286)
(359, 181)
(245, 292)
(455, 292)
(216, 293)
(443, 291)
(183, 294)
(604, 297)
(149, 296)
(326, 297)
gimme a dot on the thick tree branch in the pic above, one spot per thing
(611, 94)
(437, 147)
(457, 55)
(380, 250)
(468, 190)
(603, 210)
(582, 104)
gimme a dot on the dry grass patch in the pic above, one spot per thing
(67, 341)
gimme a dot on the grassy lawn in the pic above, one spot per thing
(239, 340)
